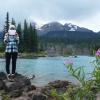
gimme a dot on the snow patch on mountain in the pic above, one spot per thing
(72, 27)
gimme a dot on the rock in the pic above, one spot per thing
(17, 88)
(30, 94)
(98, 96)
(94, 89)
(3, 76)
(2, 85)
(33, 87)
(22, 98)
(19, 84)
(39, 97)
(19, 77)
(1, 98)
(29, 88)
(15, 93)
(32, 77)
(59, 84)
(14, 86)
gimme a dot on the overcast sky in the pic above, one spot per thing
(85, 13)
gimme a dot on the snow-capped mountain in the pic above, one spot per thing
(56, 26)
(53, 26)
(71, 27)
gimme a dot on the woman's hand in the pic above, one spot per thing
(17, 38)
(6, 38)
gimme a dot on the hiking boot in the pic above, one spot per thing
(8, 77)
(12, 75)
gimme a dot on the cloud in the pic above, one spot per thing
(50, 10)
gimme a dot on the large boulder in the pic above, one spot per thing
(20, 86)
(20, 82)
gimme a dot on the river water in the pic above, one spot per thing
(48, 69)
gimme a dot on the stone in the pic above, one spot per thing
(39, 97)
(59, 84)
(17, 88)
(22, 98)
(31, 77)
(19, 84)
(3, 76)
(29, 88)
(1, 98)
(98, 96)
(15, 93)
(2, 85)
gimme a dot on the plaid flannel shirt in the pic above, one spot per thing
(11, 42)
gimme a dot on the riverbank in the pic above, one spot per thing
(27, 55)
(22, 89)
(36, 55)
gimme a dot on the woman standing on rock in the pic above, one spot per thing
(11, 40)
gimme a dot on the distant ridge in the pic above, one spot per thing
(56, 26)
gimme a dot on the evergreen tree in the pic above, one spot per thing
(19, 31)
(13, 22)
(25, 36)
(35, 40)
(30, 38)
(3, 32)
(6, 28)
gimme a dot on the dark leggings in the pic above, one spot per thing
(10, 56)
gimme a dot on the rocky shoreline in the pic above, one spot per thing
(22, 89)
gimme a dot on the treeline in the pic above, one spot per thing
(27, 35)
(71, 42)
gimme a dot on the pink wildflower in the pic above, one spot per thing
(68, 62)
(98, 52)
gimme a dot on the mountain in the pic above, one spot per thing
(53, 26)
(71, 27)
(56, 26)
(72, 35)
(55, 31)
